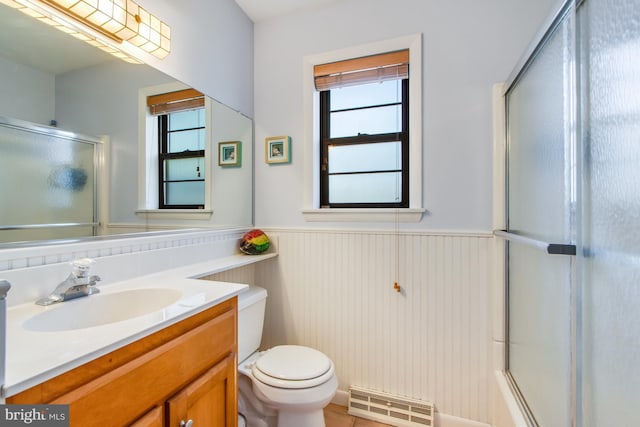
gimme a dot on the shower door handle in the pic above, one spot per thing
(550, 248)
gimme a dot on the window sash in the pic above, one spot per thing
(326, 143)
(163, 156)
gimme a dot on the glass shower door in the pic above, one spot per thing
(610, 268)
(574, 322)
(48, 183)
(540, 205)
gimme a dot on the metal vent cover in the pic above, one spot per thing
(389, 409)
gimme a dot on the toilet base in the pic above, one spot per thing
(297, 419)
(267, 406)
(254, 411)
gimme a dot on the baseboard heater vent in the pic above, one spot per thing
(394, 410)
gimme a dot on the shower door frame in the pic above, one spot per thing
(556, 19)
(99, 178)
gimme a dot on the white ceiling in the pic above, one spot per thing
(260, 10)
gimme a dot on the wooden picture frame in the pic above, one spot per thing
(230, 154)
(277, 149)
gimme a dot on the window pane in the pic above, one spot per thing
(364, 95)
(184, 193)
(365, 157)
(186, 119)
(179, 169)
(369, 121)
(186, 140)
(366, 188)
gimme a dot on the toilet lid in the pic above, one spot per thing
(293, 366)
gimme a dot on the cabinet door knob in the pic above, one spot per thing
(184, 423)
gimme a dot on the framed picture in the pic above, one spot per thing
(277, 149)
(230, 153)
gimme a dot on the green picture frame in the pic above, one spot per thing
(230, 154)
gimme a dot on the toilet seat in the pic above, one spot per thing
(293, 367)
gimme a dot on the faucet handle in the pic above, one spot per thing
(4, 288)
(93, 289)
(80, 267)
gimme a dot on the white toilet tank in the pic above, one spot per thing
(251, 306)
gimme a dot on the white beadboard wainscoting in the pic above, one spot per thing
(333, 290)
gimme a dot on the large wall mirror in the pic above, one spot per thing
(46, 75)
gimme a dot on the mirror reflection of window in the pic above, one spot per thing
(181, 148)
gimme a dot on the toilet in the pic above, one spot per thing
(285, 386)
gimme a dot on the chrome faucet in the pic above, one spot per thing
(78, 284)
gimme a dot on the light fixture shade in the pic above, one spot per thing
(67, 4)
(51, 16)
(119, 20)
(125, 20)
(146, 31)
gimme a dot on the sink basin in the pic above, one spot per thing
(101, 309)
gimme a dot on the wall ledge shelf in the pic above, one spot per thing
(218, 265)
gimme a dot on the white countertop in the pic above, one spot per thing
(33, 356)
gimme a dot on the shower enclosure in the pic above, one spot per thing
(573, 218)
(48, 185)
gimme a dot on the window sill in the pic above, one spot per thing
(175, 213)
(364, 215)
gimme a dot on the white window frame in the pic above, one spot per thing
(312, 210)
(148, 185)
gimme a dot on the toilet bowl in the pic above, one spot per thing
(285, 386)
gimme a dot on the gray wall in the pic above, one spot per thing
(468, 45)
(211, 48)
(103, 100)
(26, 93)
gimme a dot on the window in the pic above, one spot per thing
(364, 131)
(181, 148)
(312, 208)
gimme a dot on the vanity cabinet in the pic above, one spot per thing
(184, 372)
(153, 418)
(205, 400)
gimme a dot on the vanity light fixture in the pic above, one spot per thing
(106, 24)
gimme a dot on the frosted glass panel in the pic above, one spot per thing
(538, 173)
(183, 169)
(377, 93)
(193, 139)
(187, 119)
(45, 179)
(382, 156)
(347, 120)
(611, 266)
(540, 167)
(539, 332)
(184, 193)
(366, 188)
(371, 121)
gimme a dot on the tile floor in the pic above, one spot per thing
(337, 416)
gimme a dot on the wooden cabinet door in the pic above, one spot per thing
(209, 401)
(153, 418)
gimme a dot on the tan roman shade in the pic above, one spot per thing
(357, 71)
(171, 102)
